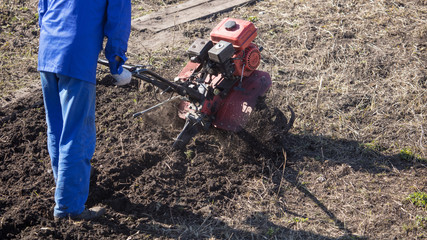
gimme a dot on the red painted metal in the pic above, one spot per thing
(240, 36)
(230, 111)
(240, 102)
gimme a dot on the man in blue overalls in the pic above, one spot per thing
(71, 37)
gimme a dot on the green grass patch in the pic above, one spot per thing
(419, 199)
(189, 154)
(298, 219)
(407, 154)
(372, 147)
(253, 18)
(421, 221)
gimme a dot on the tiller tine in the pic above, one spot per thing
(282, 118)
(190, 129)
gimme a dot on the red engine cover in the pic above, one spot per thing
(240, 35)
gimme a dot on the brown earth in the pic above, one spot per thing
(353, 71)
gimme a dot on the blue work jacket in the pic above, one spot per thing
(72, 33)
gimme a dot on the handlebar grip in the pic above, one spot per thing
(106, 63)
(103, 62)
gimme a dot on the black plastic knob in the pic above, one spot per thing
(229, 25)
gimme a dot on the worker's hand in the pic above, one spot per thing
(122, 78)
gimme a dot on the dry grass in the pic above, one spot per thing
(352, 69)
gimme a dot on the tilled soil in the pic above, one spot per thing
(146, 186)
(211, 189)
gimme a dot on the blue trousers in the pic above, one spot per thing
(71, 137)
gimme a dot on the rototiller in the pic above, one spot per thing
(220, 85)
